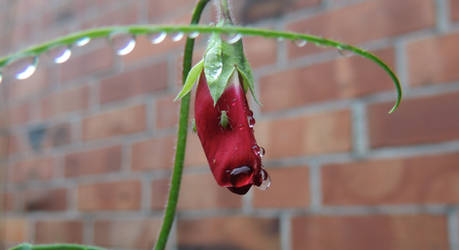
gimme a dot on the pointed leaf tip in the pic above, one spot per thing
(191, 79)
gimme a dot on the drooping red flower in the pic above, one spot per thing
(227, 137)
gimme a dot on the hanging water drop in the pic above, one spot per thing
(259, 151)
(193, 35)
(60, 54)
(280, 39)
(266, 183)
(232, 38)
(23, 68)
(123, 43)
(300, 43)
(1, 78)
(241, 175)
(158, 37)
(251, 121)
(177, 36)
(345, 53)
(82, 41)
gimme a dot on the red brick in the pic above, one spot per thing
(65, 101)
(98, 161)
(296, 4)
(33, 169)
(305, 134)
(289, 189)
(68, 231)
(194, 153)
(124, 233)
(10, 144)
(123, 121)
(156, 153)
(119, 195)
(36, 84)
(44, 200)
(158, 9)
(160, 193)
(376, 232)
(150, 79)
(260, 51)
(417, 180)
(229, 233)
(7, 202)
(13, 229)
(167, 112)
(124, 15)
(432, 60)
(87, 64)
(339, 79)
(200, 191)
(454, 10)
(57, 135)
(18, 114)
(383, 18)
(427, 119)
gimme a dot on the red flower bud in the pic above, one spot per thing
(226, 134)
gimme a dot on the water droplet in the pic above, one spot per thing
(193, 35)
(240, 176)
(82, 41)
(260, 151)
(345, 53)
(214, 70)
(60, 54)
(23, 68)
(300, 43)
(251, 121)
(266, 183)
(123, 43)
(158, 37)
(280, 39)
(1, 78)
(177, 36)
(232, 38)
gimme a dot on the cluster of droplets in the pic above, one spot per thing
(25, 67)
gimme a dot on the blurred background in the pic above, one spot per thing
(87, 146)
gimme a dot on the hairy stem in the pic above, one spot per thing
(225, 11)
(171, 207)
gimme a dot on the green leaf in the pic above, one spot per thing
(213, 59)
(191, 79)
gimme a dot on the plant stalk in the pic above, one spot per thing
(225, 11)
(169, 213)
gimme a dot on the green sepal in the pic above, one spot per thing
(191, 79)
(221, 60)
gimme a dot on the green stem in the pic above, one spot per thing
(171, 207)
(142, 29)
(225, 11)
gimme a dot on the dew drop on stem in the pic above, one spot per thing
(60, 54)
(158, 37)
(82, 41)
(193, 35)
(123, 43)
(1, 78)
(23, 68)
(300, 43)
(232, 38)
(177, 36)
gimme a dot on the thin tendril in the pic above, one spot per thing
(142, 29)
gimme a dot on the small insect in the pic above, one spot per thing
(224, 119)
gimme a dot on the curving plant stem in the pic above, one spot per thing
(169, 213)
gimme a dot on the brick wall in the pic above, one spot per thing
(87, 146)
